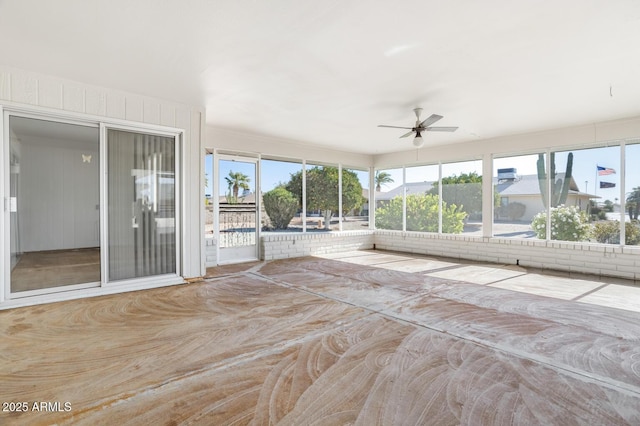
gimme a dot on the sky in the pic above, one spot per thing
(584, 170)
(585, 164)
(273, 173)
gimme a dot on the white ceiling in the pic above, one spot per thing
(328, 72)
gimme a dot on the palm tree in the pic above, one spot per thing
(237, 180)
(633, 203)
(382, 178)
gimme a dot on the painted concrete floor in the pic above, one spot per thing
(357, 338)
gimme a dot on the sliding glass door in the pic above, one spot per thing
(141, 200)
(54, 211)
(86, 205)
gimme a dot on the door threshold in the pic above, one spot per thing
(234, 261)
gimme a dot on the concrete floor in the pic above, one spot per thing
(356, 338)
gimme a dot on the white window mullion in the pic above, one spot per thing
(487, 195)
(623, 198)
(5, 244)
(304, 196)
(372, 197)
(404, 199)
(340, 197)
(548, 189)
(104, 202)
(440, 204)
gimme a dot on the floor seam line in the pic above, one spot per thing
(582, 374)
(322, 296)
(585, 294)
(504, 279)
(444, 268)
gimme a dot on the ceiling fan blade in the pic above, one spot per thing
(430, 120)
(441, 129)
(394, 127)
(408, 134)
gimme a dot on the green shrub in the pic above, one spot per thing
(422, 215)
(632, 233)
(515, 210)
(608, 232)
(567, 224)
(280, 205)
(598, 214)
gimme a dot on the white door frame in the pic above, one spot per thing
(243, 253)
(103, 286)
(5, 244)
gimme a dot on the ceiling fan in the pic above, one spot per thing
(424, 126)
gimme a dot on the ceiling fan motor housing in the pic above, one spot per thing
(421, 126)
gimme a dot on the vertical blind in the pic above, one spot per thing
(141, 204)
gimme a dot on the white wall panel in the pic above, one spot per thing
(95, 102)
(24, 88)
(5, 85)
(116, 105)
(58, 197)
(167, 115)
(73, 98)
(50, 93)
(134, 108)
(183, 120)
(193, 192)
(151, 111)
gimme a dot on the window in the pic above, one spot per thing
(580, 188)
(631, 214)
(355, 199)
(422, 199)
(582, 194)
(517, 196)
(389, 199)
(322, 197)
(462, 198)
(281, 188)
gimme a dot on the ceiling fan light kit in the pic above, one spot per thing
(419, 127)
(418, 141)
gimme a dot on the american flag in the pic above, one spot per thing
(603, 171)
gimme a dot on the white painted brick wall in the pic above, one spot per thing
(598, 259)
(286, 245)
(210, 251)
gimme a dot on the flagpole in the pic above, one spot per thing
(595, 187)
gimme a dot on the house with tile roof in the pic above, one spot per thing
(523, 189)
(526, 190)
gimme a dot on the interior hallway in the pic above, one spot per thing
(365, 338)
